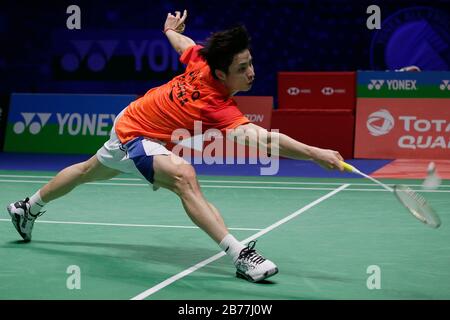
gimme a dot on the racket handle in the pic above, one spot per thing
(348, 167)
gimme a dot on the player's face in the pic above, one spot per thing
(241, 74)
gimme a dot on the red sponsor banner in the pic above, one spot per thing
(322, 90)
(257, 109)
(402, 128)
(330, 129)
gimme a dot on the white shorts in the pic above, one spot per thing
(135, 157)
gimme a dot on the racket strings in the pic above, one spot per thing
(417, 205)
(414, 196)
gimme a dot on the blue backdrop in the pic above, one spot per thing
(120, 48)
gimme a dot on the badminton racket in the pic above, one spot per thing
(416, 204)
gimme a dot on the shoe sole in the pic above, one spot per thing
(15, 221)
(265, 276)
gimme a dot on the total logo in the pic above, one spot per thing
(445, 85)
(414, 132)
(380, 123)
(328, 91)
(34, 127)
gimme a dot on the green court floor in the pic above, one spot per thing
(129, 242)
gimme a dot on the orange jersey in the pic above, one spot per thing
(192, 96)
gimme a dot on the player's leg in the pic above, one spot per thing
(178, 176)
(216, 213)
(24, 212)
(109, 161)
(67, 179)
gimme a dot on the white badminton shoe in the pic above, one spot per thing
(252, 266)
(22, 218)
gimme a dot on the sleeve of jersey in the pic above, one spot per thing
(191, 55)
(223, 117)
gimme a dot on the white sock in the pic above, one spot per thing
(231, 246)
(36, 203)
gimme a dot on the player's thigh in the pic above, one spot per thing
(170, 171)
(94, 170)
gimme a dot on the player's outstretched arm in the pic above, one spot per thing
(286, 146)
(173, 29)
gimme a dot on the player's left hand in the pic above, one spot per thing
(176, 22)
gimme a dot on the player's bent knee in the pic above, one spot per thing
(93, 170)
(186, 180)
(83, 169)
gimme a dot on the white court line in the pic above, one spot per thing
(130, 225)
(25, 181)
(22, 176)
(93, 183)
(269, 188)
(234, 187)
(203, 263)
(306, 183)
(305, 188)
(225, 181)
(384, 190)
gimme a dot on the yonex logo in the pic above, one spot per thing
(380, 122)
(293, 91)
(96, 60)
(33, 126)
(375, 84)
(445, 85)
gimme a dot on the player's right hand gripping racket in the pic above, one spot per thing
(411, 200)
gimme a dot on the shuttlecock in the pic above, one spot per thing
(432, 181)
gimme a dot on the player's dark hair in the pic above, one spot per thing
(222, 46)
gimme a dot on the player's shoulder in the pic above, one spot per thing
(217, 101)
(192, 55)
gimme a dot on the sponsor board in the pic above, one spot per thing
(321, 90)
(402, 128)
(61, 123)
(392, 84)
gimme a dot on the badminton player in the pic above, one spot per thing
(140, 139)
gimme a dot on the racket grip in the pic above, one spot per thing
(348, 167)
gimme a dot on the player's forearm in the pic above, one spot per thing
(274, 142)
(178, 41)
(280, 144)
(290, 148)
